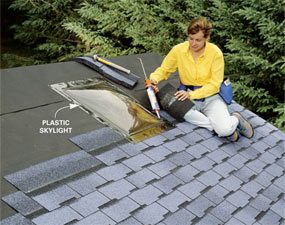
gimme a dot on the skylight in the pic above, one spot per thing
(113, 107)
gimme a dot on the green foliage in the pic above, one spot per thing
(250, 33)
(254, 50)
(15, 60)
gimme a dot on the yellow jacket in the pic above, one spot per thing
(208, 71)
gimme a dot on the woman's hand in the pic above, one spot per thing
(151, 83)
(182, 95)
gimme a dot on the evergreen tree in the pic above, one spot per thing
(252, 36)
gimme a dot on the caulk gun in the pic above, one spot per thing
(150, 93)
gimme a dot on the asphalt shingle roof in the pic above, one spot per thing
(183, 176)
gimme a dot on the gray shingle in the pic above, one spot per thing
(212, 143)
(265, 131)
(268, 158)
(218, 155)
(110, 157)
(133, 149)
(97, 139)
(16, 219)
(89, 204)
(271, 140)
(181, 158)
(257, 121)
(234, 221)
(87, 184)
(239, 198)
(176, 145)
(117, 189)
(173, 200)
(186, 173)
(264, 178)
(248, 114)
(130, 221)
(272, 192)
(203, 164)
(172, 134)
(209, 220)
(216, 194)
(186, 127)
(162, 168)
(247, 215)
(53, 198)
(281, 162)
(180, 217)
(155, 141)
(234, 107)
(151, 214)
(197, 150)
(158, 153)
(199, 206)
(205, 133)
(97, 218)
(192, 138)
(244, 174)
(252, 188)
(209, 178)
(261, 203)
(121, 210)
(260, 146)
(279, 134)
(22, 203)
(192, 189)
(223, 211)
(224, 169)
(146, 195)
(275, 170)
(141, 178)
(271, 218)
(244, 142)
(59, 216)
(256, 165)
(280, 182)
(168, 183)
(231, 183)
(278, 207)
(250, 153)
(231, 148)
(238, 161)
(278, 151)
(137, 162)
(115, 172)
(257, 136)
(48, 172)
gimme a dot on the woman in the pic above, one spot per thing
(201, 71)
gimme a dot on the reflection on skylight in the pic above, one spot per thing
(108, 103)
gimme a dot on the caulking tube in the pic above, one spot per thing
(153, 101)
(150, 92)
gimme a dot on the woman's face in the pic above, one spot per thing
(197, 41)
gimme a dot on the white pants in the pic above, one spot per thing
(213, 114)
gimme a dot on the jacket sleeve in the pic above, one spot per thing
(168, 66)
(213, 86)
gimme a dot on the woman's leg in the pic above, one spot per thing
(197, 118)
(220, 119)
